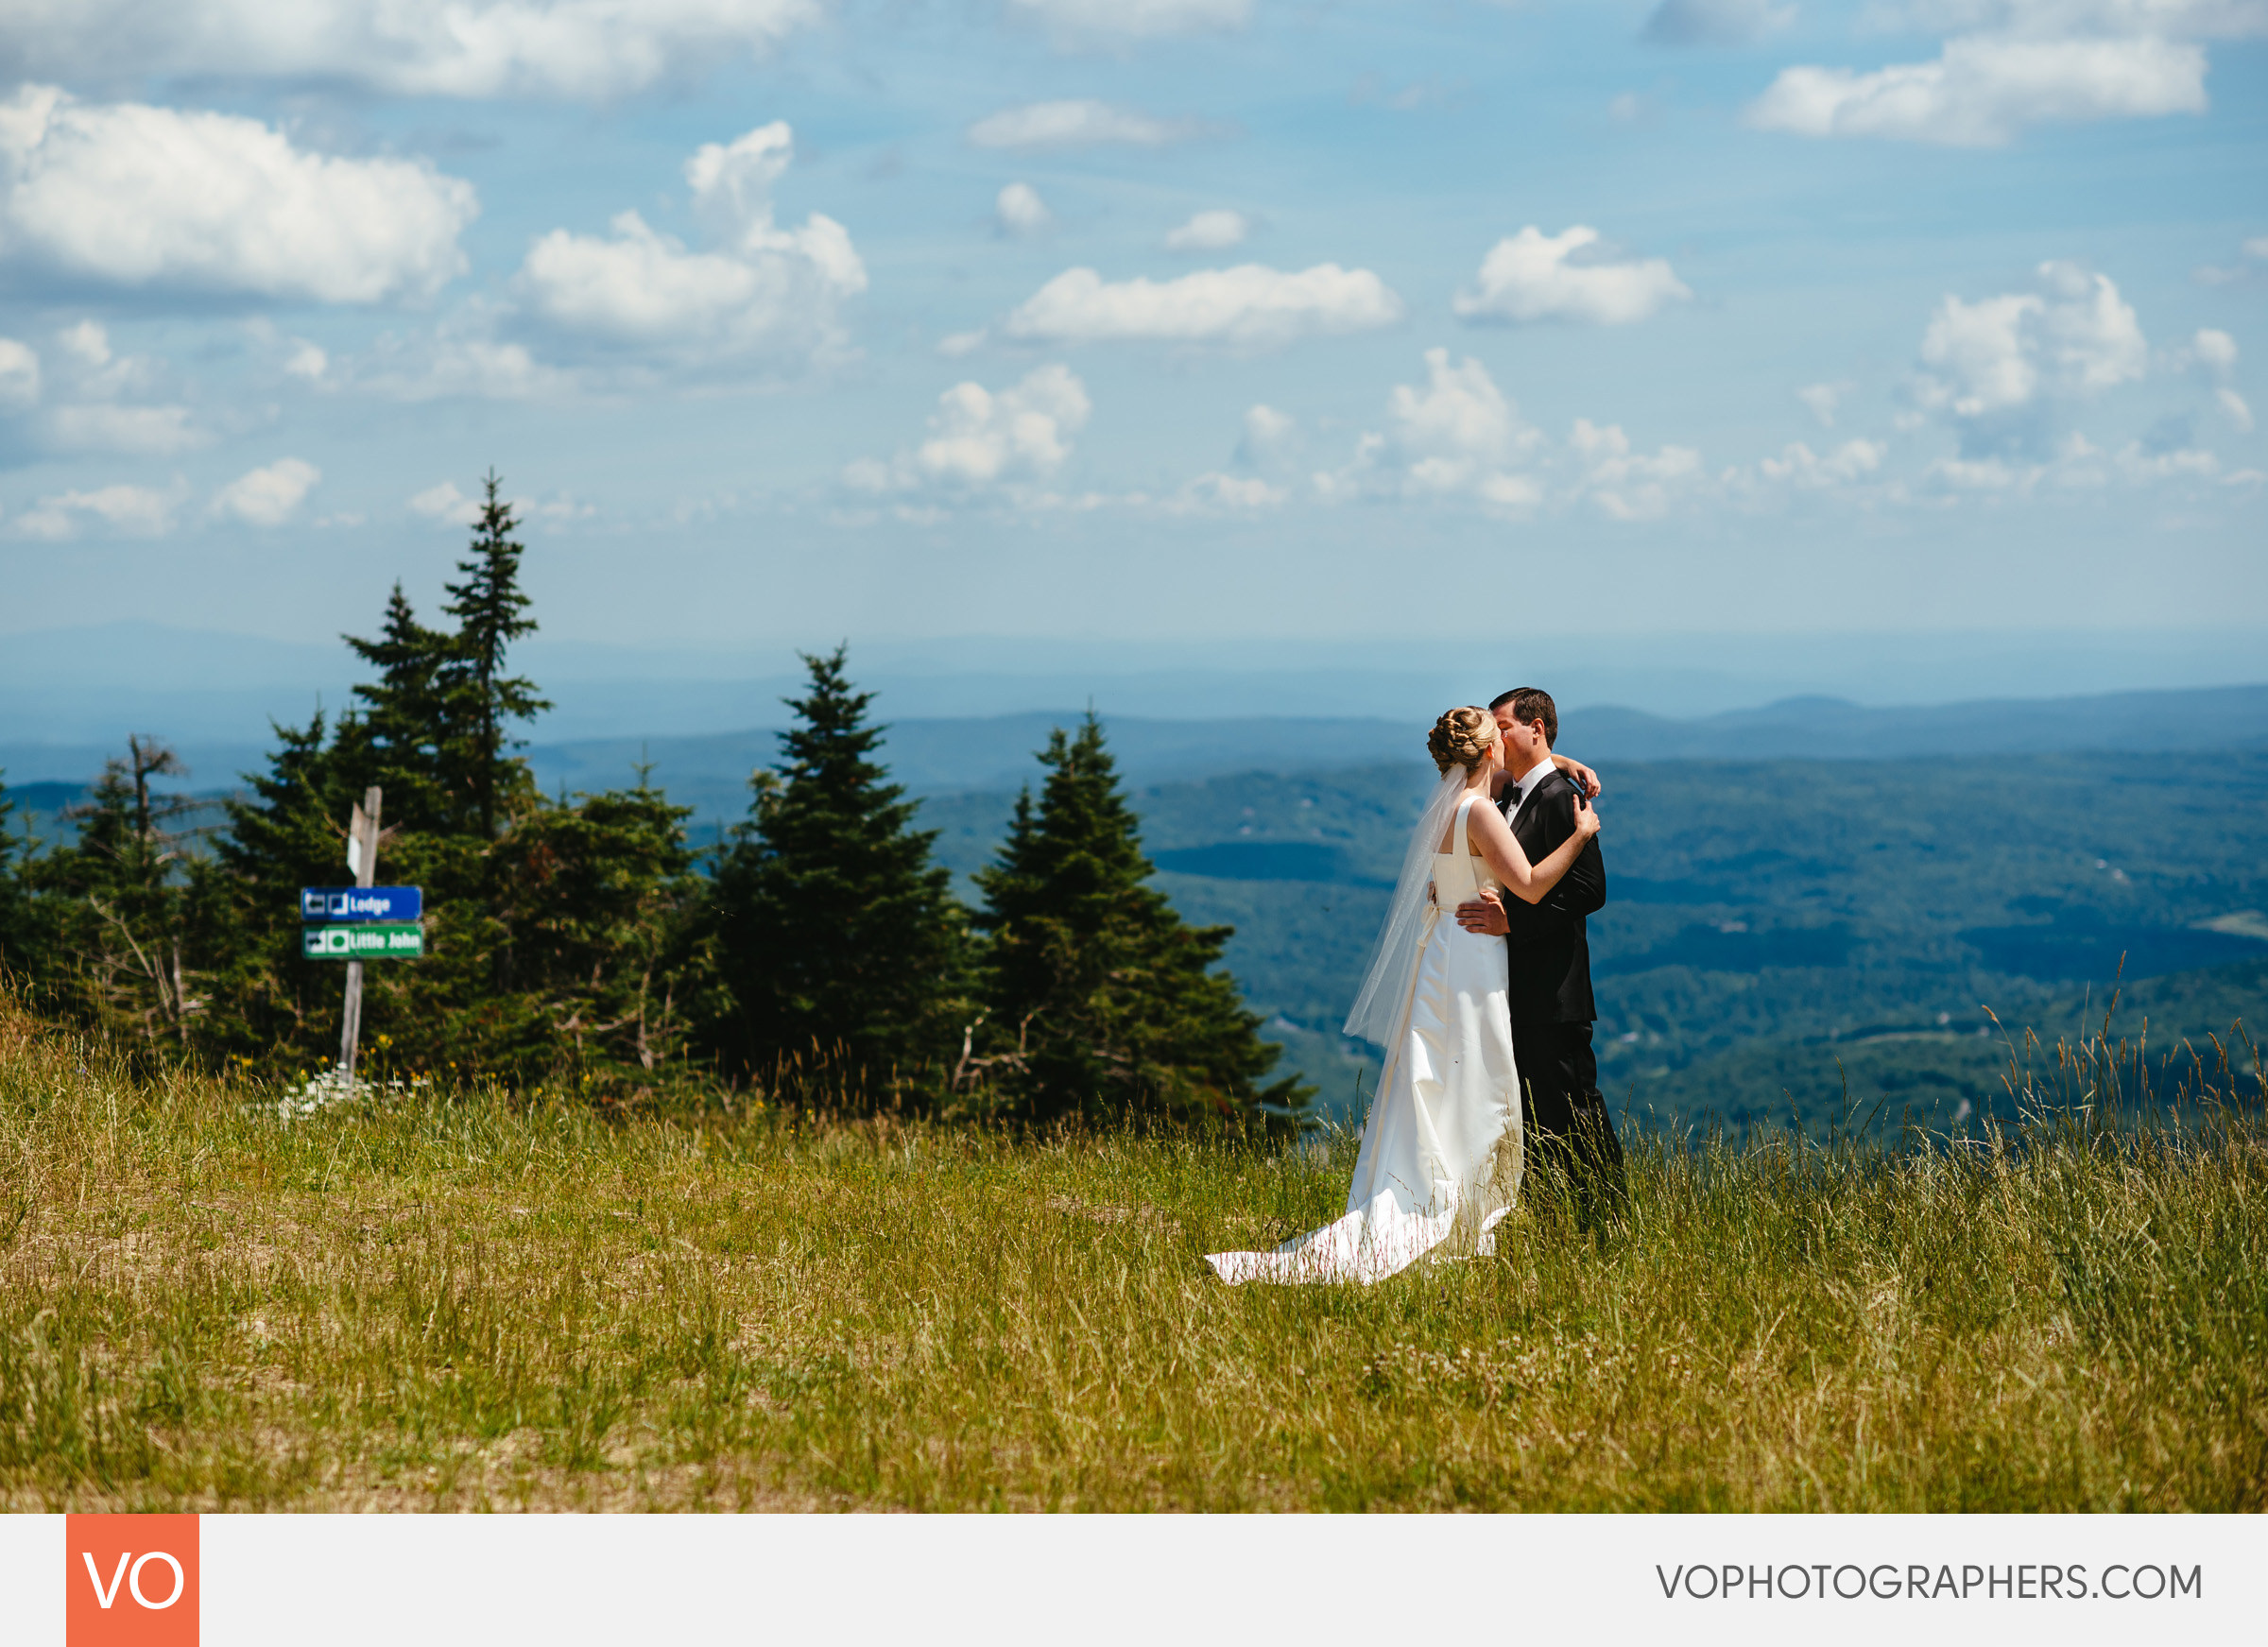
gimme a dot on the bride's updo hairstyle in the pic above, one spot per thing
(1462, 737)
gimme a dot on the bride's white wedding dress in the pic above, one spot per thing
(1440, 1160)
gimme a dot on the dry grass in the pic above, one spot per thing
(460, 1305)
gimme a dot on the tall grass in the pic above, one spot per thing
(462, 1302)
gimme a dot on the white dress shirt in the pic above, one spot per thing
(1527, 782)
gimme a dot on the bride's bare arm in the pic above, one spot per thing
(1582, 776)
(1504, 853)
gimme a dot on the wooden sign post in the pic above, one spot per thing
(362, 858)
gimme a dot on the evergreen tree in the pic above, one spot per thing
(603, 899)
(491, 612)
(122, 902)
(15, 935)
(1099, 999)
(400, 738)
(430, 732)
(268, 1002)
(841, 943)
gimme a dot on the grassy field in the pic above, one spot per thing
(429, 1305)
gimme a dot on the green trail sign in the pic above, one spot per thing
(373, 942)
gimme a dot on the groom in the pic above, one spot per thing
(1567, 1126)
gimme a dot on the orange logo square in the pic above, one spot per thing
(129, 1580)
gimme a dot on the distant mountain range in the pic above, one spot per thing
(2122, 724)
(945, 755)
(994, 753)
(69, 696)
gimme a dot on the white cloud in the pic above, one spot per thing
(595, 49)
(2214, 353)
(1977, 474)
(456, 362)
(2178, 463)
(18, 376)
(1534, 276)
(1993, 365)
(981, 438)
(1797, 465)
(1455, 436)
(2250, 253)
(446, 505)
(1458, 424)
(270, 496)
(1218, 493)
(95, 400)
(307, 360)
(130, 194)
(1214, 231)
(1980, 358)
(1983, 90)
(1458, 436)
(2090, 333)
(954, 345)
(1269, 436)
(760, 291)
(1076, 123)
(1020, 210)
(2215, 350)
(2076, 464)
(1715, 21)
(1822, 399)
(1628, 485)
(88, 342)
(1078, 20)
(139, 431)
(138, 510)
(2067, 19)
(1249, 306)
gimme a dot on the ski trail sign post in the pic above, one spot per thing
(362, 922)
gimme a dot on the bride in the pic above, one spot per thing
(1440, 1159)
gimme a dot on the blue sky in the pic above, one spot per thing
(1167, 319)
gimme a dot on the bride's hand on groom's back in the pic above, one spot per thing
(1587, 820)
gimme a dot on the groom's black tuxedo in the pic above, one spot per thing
(1550, 946)
(1566, 1117)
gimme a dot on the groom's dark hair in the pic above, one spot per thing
(1529, 704)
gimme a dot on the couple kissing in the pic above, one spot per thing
(1479, 989)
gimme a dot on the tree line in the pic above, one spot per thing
(582, 944)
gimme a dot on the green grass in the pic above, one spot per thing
(467, 1304)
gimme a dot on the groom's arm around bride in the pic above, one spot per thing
(1549, 975)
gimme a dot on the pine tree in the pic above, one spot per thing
(604, 901)
(842, 945)
(1100, 1001)
(399, 735)
(490, 610)
(15, 936)
(123, 901)
(268, 1002)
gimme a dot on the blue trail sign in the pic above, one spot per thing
(361, 902)
(361, 943)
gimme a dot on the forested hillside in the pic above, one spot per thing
(1765, 919)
